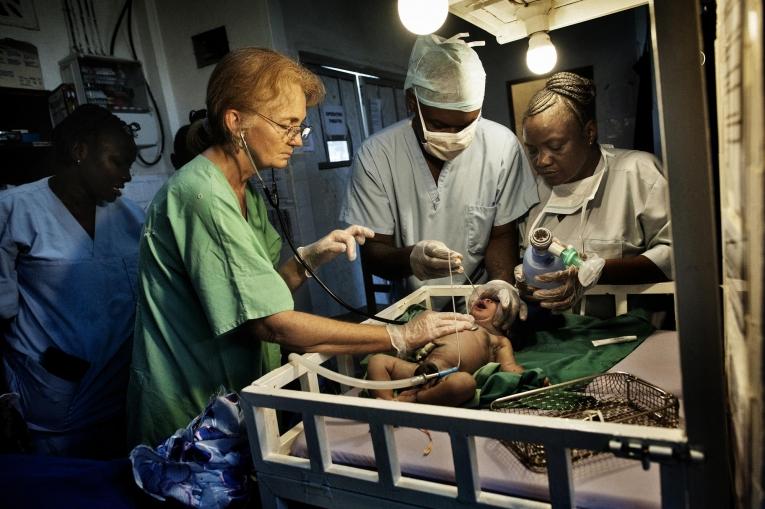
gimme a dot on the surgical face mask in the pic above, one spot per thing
(573, 197)
(569, 198)
(446, 146)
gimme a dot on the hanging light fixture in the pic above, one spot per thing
(423, 16)
(541, 56)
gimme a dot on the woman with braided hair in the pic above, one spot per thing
(604, 201)
(68, 271)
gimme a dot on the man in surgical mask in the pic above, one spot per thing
(606, 202)
(442, 190)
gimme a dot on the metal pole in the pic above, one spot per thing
(675, 29)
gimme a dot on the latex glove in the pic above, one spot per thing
(526, 292)
(575, 282)
(338, 241)
(565, 295)
(426, 327)
(430, 259)
(509, 306)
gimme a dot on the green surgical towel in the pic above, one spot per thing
(567, 353)
(493, 383)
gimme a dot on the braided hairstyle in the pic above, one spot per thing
(576, 92)
(85, 125)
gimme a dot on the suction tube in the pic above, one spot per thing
(366, 384)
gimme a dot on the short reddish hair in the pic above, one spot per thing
(246, 79)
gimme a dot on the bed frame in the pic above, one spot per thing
(620, 293)
(319, 481)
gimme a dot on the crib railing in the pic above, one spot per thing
(620, 293)
(319, 481)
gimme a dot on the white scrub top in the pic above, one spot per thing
(393, 192)
(628, 215)
(61, 288)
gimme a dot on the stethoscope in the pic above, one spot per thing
(272, 196)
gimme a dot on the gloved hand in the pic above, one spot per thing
(430, 259)
(565, 295)
(523, 288)
(509, 305)
(331, 245)
(574, 283)
(426, 327)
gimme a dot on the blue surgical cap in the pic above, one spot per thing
(446, 73)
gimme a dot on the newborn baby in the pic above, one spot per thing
(467, 350)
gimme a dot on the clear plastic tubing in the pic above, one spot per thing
(366, 384)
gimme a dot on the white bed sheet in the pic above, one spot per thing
(604, 482)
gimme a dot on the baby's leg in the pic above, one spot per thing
(454, 390)
(387, 367)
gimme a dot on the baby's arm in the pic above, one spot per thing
(503, 354)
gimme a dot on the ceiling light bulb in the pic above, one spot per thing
(423, 16)
(541, 56)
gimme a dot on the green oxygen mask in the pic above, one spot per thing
(568, 255)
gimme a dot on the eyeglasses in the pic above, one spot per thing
(290, 130)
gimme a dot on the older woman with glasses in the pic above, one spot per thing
(212, 299)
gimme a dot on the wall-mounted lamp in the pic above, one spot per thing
(541, 56)
(423, 16)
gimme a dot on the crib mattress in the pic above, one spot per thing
(601, 482)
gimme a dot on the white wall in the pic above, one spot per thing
(53, 44)
(364, 32)
(367, 33)
(162, 33)
(165, 27)
(51, 39)
(246, 24)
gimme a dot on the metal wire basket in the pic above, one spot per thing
(610, 397)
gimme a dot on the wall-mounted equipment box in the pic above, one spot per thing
(116, 84)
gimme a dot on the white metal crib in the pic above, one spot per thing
(320, 481)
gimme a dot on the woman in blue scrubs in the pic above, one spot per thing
(68, 270)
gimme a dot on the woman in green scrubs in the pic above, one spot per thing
(212, 300)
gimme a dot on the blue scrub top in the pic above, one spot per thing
(61, 288)
(392, 191)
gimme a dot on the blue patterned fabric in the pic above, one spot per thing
(204, 465)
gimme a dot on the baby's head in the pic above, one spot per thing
(495, 305)
(484, 311)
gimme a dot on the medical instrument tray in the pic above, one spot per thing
(609, 397)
